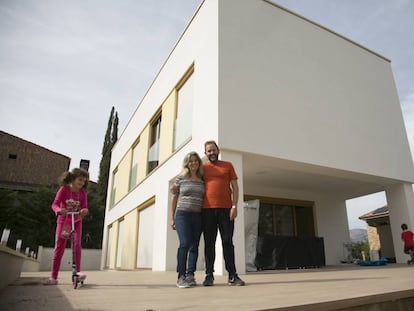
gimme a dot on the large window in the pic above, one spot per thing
(285, 220)
(108, 247)
(134, 166)
(183, 121)
(113, 188)
(120, 244)
(154, 150)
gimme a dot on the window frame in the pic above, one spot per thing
(180, 85)
(154, 142)
(134, 151)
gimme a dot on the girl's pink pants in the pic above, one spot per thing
(60, 245)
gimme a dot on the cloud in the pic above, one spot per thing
(64, 64)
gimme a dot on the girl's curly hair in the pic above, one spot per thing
(68, 177)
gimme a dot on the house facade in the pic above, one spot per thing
(298, 109)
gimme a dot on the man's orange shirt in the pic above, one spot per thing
(217, 178)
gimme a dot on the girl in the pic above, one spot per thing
(71, 196)
(186, 207)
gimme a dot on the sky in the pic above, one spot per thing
(64, 64)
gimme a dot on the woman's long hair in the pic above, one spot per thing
(186, 171)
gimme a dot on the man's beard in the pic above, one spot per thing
(213, 158)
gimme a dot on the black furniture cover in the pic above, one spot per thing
(286, 252)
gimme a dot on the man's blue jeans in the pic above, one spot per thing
(189, 227)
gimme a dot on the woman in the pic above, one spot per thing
(186, 204)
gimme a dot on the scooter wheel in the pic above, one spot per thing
(75, 281)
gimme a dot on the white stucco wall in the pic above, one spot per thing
(90, 259)
(270, 83)
(293, 90)
(198, 45)
(332, 225)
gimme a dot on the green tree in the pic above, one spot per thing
(105, 160)
(114, 136)
(359, 248)
(28, 216)
(8, 211)
(111, 136)
(92, 227)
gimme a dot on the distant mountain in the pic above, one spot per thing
(358, 235)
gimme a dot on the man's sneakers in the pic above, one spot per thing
(209, 280)
(235, 281)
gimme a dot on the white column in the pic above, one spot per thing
(104, 253)
(400, 199)
(332, 226)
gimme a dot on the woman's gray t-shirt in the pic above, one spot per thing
(190, 194)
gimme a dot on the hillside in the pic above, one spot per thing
(358, 235)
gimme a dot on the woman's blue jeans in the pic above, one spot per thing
(189, 227)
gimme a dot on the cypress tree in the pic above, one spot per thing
(110, 135)
(114, 137)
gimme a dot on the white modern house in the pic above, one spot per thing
(308, 118)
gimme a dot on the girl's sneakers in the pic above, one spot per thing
(51, 281)
(81, 276)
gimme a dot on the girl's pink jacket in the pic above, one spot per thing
(66, 198)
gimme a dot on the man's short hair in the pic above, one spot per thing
(210, 142)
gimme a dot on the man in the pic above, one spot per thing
(219, 211)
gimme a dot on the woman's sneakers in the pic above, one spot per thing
(182, 282)
(190, 279)
(51, 281)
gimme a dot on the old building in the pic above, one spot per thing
(25, 165)
(379, 232)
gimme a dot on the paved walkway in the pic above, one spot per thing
(328, 288)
